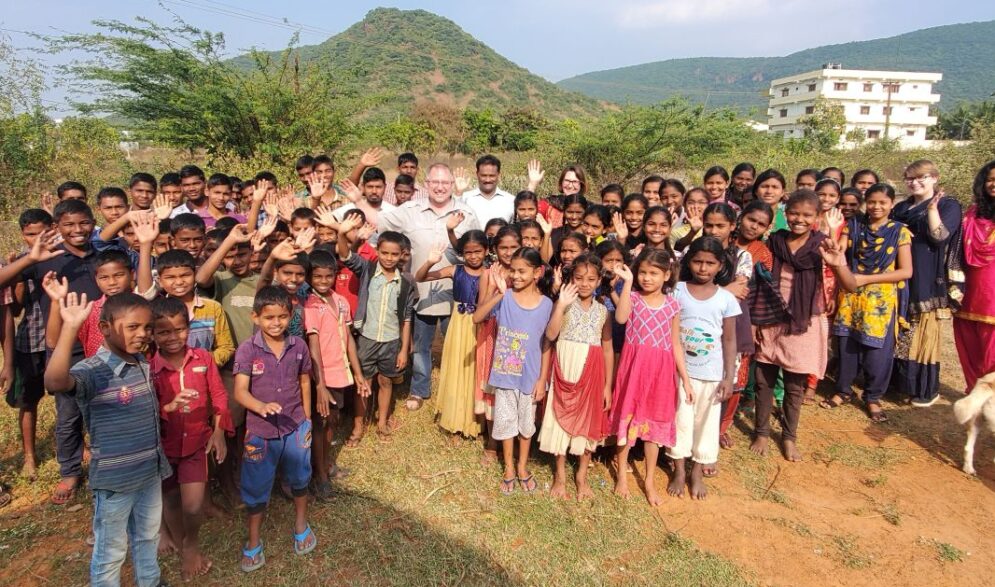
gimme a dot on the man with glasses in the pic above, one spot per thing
(424, 223)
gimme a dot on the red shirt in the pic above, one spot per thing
(89, 334)
(347, 283)
(186, 431)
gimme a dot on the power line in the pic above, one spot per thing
(264, 15)
(265, 19)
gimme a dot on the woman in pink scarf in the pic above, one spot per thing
(974, 323)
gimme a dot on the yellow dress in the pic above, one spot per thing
(458, 377)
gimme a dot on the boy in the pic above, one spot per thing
(208, 322)
(287, 266)
(29, 345)
(142, 189)
(163, 241)
(300, 219)
(383, 319)
(187, 384)
(219, 200)
(404, 189)
(112, 203)
(187, 232)
(272, 382)
(114, 392)
(192, 181)
(328, 321)
(169, 186)
(72, 259)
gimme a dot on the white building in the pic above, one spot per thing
(881, 104)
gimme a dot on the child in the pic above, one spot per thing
(612, 255)
(273, 383)
(526, 206)
(807, 179)
(328, 321)
(169, 186)
(571, 246)
(633, 208)
(115, 395)
(521, 360)
(645, 402)
(656, 229)
(142, 187)
(793, 331)
(716, 182)
(533, 236)
(219, 188)
(612, 195)
(770, 187)
(383, 319)
(851, 200)
(576, 416)
(864, 179)
(455, 404)
(288, 266)
(651, 188)
(743, 176)
(672, 197)
(188, 233)
(596, 224)
(708, 331)
(208, 321)
(574, 208)
(695, 202)
(871, 305)
(194, 416)
(112, 203)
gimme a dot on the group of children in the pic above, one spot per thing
(201, 336)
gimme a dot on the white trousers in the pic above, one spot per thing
(698, 424)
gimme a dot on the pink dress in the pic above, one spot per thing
(645, 398)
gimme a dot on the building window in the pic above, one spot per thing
(811, 87)
(784, 93)
(874, 134)
(868, 87)
(913, 108)
(893, 88)
(910, 133)
(840, 86)
(915, 86)
(810, 110)
(865, 109)
(886, 110)
(783, 113)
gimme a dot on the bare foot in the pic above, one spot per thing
(697, 487)
(622, 486)
(676, 486)
(759, 445)
(583, 489)
(652, 496)
(194, 564)
(791, 452)
(29, 471)
(558, 490)
(166, 544)
(488, 458)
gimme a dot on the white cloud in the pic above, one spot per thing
(640, 14)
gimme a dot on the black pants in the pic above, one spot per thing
(794, 395)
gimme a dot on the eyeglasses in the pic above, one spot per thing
(920, 179)
(439, 182)
(572, 181)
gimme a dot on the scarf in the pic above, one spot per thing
(579, 406)
(948, 266)
(874, 251)
(979, 239)
(807, 282)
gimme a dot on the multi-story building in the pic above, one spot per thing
(877, 104)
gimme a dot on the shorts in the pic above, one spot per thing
(338, 394)
(29, 380)
(189, 469)
(378, 357)
(261, 458)
(237, 410)
(514, 414)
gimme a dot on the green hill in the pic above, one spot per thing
(414, 56)
(964, 53)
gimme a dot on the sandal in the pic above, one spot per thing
(709, 471)
(353, 441)
(64, 492)
(725, 441)
(834, 402)
(301, 546)
(508, 486)
(255, 556)
(529, 484)
(877, 415)
(414, 403)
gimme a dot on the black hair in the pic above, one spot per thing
(761, 206)
(225, 223)
(355, 212)
(652, 179)
(406, 158)
(142, 177)
(589, 258)
(489, 160)
(71, 207)
(304, 161)
(192, 171)
(881, 187)
(602, 213)
(34, 216)
(608, 245)
(744, 166)
(164, 225)
(322, 259)
(175, 258)
(709, 244)
(661, 259)
(716, 170)
(266, 176)
(828, 181)
(676, 184)
(373, 174)
(299, 259)
(303, 213)
(861, 172)
(809, 172)
(851, 191)
(662, 210)
(985, 204)
(577, 237)
(834, 169)
(721, 208)
(107, 193)
(215, 236)
(112, 255)
(471, 236)
(499, 222)
(187, 221)
(507, 230)
(281, 226)
(613, 188)
(272, 295)
(69, 185)
(171, 178)
(118, 304)
(531, 224)
(167, 307)
(534, 259)
(802, 196)
(635, 198)
(405, 243)
(218, 179)
(390, 236)
(769, 174)
(525, 196)
(404, 179)
(322, 160)
(575, 199)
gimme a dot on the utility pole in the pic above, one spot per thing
(887, 111)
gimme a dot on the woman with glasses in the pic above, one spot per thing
(935, 221)
(573, 182)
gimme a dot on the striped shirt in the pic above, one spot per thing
(209, 330)
(119, 406)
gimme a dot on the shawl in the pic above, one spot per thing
(807, 282)
(579, 406)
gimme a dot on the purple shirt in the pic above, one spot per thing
(274, 379)
(518, 347)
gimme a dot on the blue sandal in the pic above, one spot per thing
(529, 484)
(300, 540)
(255, 555)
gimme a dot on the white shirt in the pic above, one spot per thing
(500, 205)
(341, 211)
(701, 330)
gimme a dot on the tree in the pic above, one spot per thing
(825, 126)
(957, 124)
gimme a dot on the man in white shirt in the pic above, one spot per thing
(487, 200)
(371, 203)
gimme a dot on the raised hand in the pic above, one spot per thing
(146, 227)
(547, 228)
(557, 278)
(454, 219)
(45, 246)
(271, 204)
(462, 179)
(832, 253)
(240, 234)
(621, 230)
(568, 294)
(316, 185)
(834, 220)
(305, 240)
(352, 191)
(325, 217)
(623, 272)
(371, 157)
(260, 191)
(934, 202)
(497, 276)
(535, 172)
(48, 202)
(365, 232)
(162, 206)
(286, 206)
(284, 250)
(352, 221)
(74, 309)
(56, 289)
(435, 255)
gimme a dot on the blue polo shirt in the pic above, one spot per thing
(119, 406)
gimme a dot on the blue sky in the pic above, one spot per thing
(553, 38)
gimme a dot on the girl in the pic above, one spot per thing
(493, 226)
(695, 202)
(526, 206)
(633, 208)
(656, 229)
(743, 176)
(651, 189)
(716, 182)
(671, 198)
(506, 242)
(834, 173)
(769, 187)
(871, 304)
(571, 247)
(457, 378)
(532, 234)
(807, 179)
(793, 332)
(596, 223)
(830, 223)
(974, 332)
(612, 255)
(864, 179)
(935, 224)
(521, 360)
(645, 401)
(708, 332)
(612, 195)
(851, 199)
(574, 208)
(576, 416)
(829, 193)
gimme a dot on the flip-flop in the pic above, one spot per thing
(508, 486)
(256, 558)
(300, 539)
(709, 471)
(529, 484)
(878, 417)
(63, 492)
(832, 404)
(353, 441)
